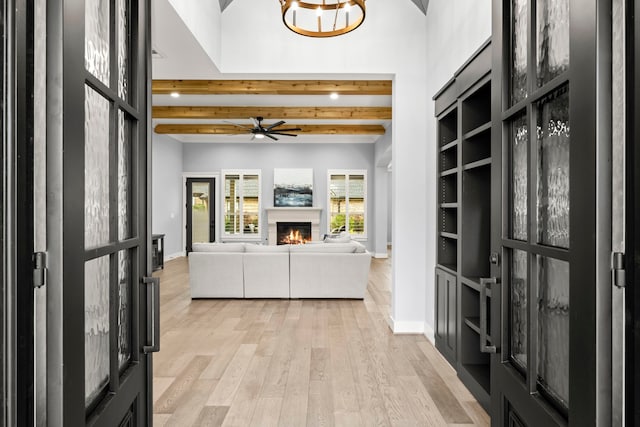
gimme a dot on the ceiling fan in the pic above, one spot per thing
(259, 131)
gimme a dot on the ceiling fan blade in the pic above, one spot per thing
(238, 125)
(270, 136)
(286, 130)
(281, 122)
(280, 133)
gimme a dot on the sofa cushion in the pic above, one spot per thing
(341, 248)
(360, 248)
(218, 247)
(339, 239)
(267, 248)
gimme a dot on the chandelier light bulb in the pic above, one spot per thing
(322, 18)
(319, 11)
(347, 7)
(294, 6)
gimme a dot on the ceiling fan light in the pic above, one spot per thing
(259, 135)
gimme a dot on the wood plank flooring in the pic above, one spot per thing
(298, 363)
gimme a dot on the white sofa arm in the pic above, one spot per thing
(216, 275)
(329, 275)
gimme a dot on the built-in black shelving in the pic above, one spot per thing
(463, 113)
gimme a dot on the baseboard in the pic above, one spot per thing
(407, 327)
(174, 256)
(381, 255)
(429, 333)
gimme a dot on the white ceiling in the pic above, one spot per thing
(182, 57)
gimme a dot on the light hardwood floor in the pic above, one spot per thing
(298, 363)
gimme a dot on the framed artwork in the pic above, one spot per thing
(293, 187)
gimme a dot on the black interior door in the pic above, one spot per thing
(201, 202)
(102, 310)
(543, 302)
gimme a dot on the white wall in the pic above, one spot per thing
(167, 193)
(391, 40)
(382, 201)
(455, 30)
(266, 157)
(202, 17)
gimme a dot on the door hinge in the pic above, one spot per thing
(617, 269)
(39, 269)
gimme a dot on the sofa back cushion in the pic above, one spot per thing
(334, 248)
(218, 247)
(267, 248)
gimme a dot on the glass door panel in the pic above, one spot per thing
(552, 48)
(200, 212)
(251, 204)
(553, 169)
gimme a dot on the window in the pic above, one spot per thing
(348, 202)
(241, 203)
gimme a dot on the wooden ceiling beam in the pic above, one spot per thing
(272, 87)
(326, 113)
(176, 129)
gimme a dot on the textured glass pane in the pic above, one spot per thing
(96, 41)
(232, 204)
(553, 328)
(123, 46)
(552, 53)
(200, 216)
(96, 327)
(553, 169)
(618, 121)
(338, 208)
(357, 187)
(124, 308)
(124, 176)
(518, 307)
(251, 203)
(519, 197)
(96, 169)
(518, 50)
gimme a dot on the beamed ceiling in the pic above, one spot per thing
(221, 110)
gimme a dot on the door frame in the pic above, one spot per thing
(196, 175)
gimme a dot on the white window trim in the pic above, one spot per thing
(224, 236)
(347, 173)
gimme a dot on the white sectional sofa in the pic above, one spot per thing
(239, 270)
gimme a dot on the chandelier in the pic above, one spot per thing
(322, 18)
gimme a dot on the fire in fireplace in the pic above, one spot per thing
(293, 233)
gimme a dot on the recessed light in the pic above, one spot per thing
(334, 95)
(175, 95)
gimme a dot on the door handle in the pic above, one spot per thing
(153, 314)
(484, 336)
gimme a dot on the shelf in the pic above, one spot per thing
(449, 205)
(481, 373)
(480, 129)
(474, 324)
(449, 172)
(473, 283)
(449, 235)
(450, 268)
(477, 164)
(449, 145)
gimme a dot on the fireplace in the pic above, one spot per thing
(293, 233)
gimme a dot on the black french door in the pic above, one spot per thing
(544, 319)
(102, 323)
(201, 202)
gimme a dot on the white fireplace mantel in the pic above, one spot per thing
(309, 214)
